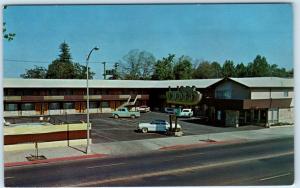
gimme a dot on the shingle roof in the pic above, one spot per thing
(73, 83)
(265, 81)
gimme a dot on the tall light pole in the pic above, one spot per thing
(104, 70)
(88, 148)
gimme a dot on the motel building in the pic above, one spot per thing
(225, 102)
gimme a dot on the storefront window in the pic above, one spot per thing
(94, 105)
(54, 106)
(11, 107)
(27, 106)
(69, 105)
(104, 104)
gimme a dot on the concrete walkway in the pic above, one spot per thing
(15, 158)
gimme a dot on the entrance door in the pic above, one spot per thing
(273, 115)
(80, 107)
(41, 108)
(38, 108)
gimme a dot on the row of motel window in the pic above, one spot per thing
(54, 92)
(52, 106)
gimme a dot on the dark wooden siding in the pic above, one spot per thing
(44, 137)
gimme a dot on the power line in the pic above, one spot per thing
(33, 61)
(25, 61)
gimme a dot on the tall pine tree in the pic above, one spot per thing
(64, 68)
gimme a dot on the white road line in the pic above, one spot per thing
(99, 166)
(179, 156)
(174, 171)
(272, 177)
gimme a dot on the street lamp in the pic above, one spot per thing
(104, 70)
(88, 148)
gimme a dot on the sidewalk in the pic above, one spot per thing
(16, 158)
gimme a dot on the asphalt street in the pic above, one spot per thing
(269, 162)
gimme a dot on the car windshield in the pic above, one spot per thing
(158, 121)
(185, 110)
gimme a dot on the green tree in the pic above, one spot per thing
(138, 65)
(260, 67)
(6, 35)
(241, 70)
(291, 73)
(80, 72)
(163, 69)
(203, 71)
(183, 69)
(208, 70)
(64, 68)
(228, 69)
(217, 70)
(36, 72)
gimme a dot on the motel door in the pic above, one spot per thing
(80, 107)
(41, 108)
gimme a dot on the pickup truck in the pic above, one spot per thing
(124, 112)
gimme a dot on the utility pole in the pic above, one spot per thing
(115, 76)
(104, 70)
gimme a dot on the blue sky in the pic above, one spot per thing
(214, 32)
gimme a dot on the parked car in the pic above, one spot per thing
(186, 113)
(143, 108)
(170, 110)
(124, 112)
(156, 126)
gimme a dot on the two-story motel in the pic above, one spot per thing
(228, 101)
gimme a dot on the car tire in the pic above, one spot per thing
(132, 116)
(116, 116)
(144, 130)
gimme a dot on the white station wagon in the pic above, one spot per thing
(156, 126)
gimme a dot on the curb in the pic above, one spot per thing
(204, 143)
(53, 160)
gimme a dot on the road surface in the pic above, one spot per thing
(269, 162)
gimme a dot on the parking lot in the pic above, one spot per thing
(107, 129)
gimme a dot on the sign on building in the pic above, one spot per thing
(184, 96)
